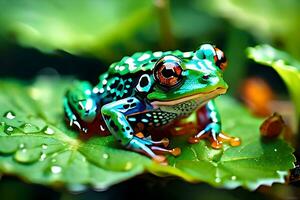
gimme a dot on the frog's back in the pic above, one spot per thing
(142, 61)
(122, 77)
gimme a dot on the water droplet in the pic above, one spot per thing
(218, 180)
(275, 150)
(29, 128)
(128, 166)
(22, 145)
(100, 187)
(43, 157)
(49, 131)
(9, 115)
(233, 178)
(44, 146)
(55, 169)
(24, 155)
(76, 188)
(8, 130)
(105, 155)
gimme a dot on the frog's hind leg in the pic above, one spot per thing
(80, 105)
(209, 116)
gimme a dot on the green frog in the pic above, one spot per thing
(152, 92)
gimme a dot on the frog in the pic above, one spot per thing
(151, 92)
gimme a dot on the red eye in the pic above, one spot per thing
(220, 59)
(167, 71)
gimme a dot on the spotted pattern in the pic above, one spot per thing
(114, 88)
(186, 108)
(143, 61)
(118, 83)
(121, 92)
(154, 118)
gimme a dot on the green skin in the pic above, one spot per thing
(128, 93)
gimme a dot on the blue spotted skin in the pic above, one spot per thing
(138, 92)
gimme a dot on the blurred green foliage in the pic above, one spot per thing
(98, 27)
(286, 66)
(109, 30)
(271, 21)
(74, 26)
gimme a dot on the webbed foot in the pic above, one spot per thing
(152, 148)
(215, 136)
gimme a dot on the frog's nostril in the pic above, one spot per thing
(205, 77)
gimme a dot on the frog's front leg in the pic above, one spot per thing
(114, 115)
(213, 129)
(80, 106)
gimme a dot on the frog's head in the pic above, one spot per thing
(200, 77)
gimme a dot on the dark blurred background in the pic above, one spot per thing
(82, 38)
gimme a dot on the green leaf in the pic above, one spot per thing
(76, 26)
(36, 145)
(271, 21)
(286, 66)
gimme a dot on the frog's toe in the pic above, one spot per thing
(233, 141)
(216, 138)
(160, 159)
(196, 138)
(217, 141)
(216, 144)
(193, 140)
(164, 142)
(159, 150)
(150, 148)
(75, 123)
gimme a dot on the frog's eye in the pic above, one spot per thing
(167, 71)
(220, 59)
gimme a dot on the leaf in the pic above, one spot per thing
(268, 20)
(75, 26)
(286, 66)
(36, 145)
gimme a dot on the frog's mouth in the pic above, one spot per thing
(203, 96)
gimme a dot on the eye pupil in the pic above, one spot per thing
(168, 72)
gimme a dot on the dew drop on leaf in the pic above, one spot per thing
(55, 169)
(24, 155)
(43, 157)
(29, 128)
(77, 188)
(44, 146)
(8, 130)
(9, 115)
(99, 188)
(21, 155)
(105, 156)
(48, 131)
